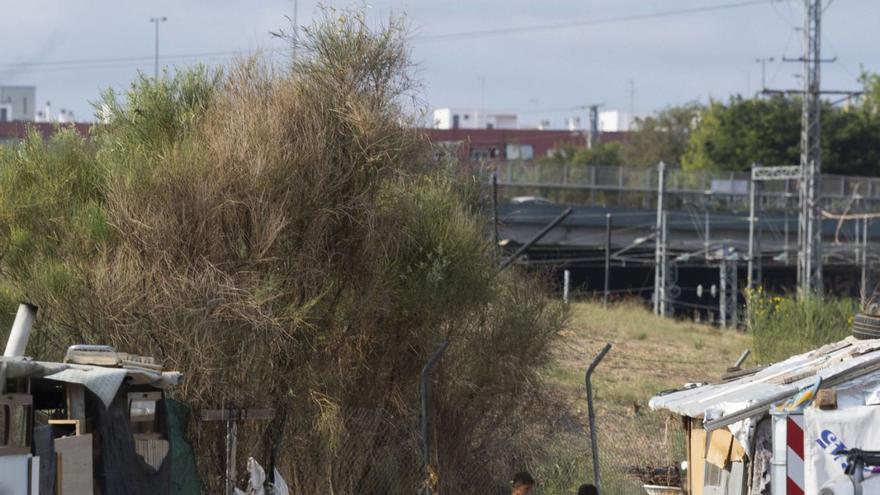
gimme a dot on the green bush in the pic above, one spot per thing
(784, 326)
(272, 233)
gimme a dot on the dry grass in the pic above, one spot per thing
(650, 354)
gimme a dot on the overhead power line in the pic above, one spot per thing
(109, 62)
(144, 58)
(587, 22)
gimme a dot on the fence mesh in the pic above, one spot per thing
(627, 185)
(645, 448)
(370, 451)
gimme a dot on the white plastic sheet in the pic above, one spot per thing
(828, 432)
(257, 481)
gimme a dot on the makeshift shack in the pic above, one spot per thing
(760, 431)
(99, 422)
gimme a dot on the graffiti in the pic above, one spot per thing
(834, 447)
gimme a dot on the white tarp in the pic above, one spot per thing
(828, 432)
(103, 382)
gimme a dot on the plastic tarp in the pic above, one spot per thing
(184, 473)
(257, 481)
(828, 432)
(120, 470)
(102, 381)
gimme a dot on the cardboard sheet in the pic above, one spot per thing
(75, 475)
(724, 448)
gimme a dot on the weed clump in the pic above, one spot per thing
(783, 326)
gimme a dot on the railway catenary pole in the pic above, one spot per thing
(754, 265)
(659, 247)
(810, 256)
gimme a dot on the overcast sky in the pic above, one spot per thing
(541, 74)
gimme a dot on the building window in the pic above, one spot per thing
(519, 152)
(484, 153)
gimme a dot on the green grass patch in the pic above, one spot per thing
(783, 326)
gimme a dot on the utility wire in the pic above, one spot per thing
(117, 61)
(587, 22)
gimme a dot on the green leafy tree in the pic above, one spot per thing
(734, 135)
(600, 154)
(661, 137)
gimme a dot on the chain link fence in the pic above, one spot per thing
(378, 455)
(640, 449)
(633, 186)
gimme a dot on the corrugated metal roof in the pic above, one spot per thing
(751, 395)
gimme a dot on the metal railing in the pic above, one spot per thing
(864, 192)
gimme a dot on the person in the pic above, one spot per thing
(586, 489)
(522, 483)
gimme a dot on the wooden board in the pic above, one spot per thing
(237, 414)
(75, 465)
(75, 424)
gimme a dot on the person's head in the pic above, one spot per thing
(522, 483)
(588, 490)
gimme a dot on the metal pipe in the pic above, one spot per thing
(21, 330)
(594, 443)
(566, 285)
(426, 449)
(231, 441)
(540, 235)
(742, 358)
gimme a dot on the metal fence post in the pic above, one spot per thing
(566, 286)
(426, 446)
(594, 442)
(607, 259)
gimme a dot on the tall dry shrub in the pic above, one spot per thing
(273, 233)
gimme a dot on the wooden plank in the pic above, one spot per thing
(76, 401)
(59, 486)
(75, 465)
(75, 423)
(237, 414)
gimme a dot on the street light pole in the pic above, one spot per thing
(763, 61)
(156, 21)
